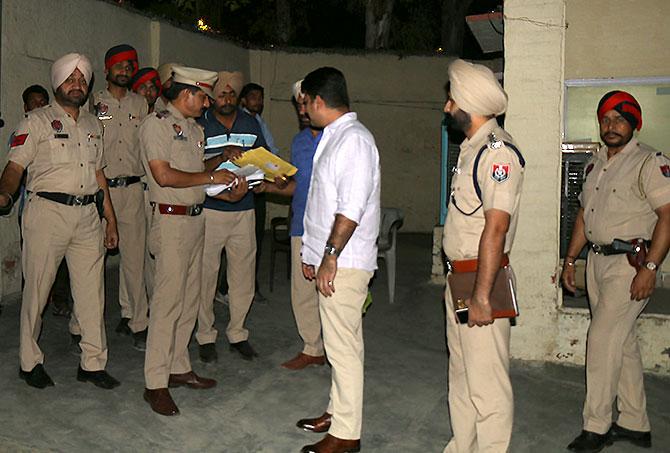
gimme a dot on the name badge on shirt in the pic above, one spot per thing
(61, 135)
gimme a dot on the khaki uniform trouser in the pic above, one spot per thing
(52, 231)
(342, 324)
(177, 242)
(305, 303)
(130, 220)
(481, 404)
(613, 361)
(149, 261)
(234, 231)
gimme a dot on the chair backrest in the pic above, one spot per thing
(389, 218)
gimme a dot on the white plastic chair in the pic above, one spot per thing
(391, 221)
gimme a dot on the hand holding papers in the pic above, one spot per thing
(252, 174)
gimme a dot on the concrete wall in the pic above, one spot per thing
(622, 38)
(534, 39)
(399, 99)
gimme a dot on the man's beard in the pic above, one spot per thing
(226, 110)
(119, 80)
(75, 98)
(460, 120)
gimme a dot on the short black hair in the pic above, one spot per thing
(249, 87)
(172, 93)
(38, 89)
(329, 83)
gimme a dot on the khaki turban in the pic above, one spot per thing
(475, 89)
(65, 66)
(234, 80)
(165, 71)
(297, 89)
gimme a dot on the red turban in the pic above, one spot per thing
(625, 104)
(122, 52)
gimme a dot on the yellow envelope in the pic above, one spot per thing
(272, 166)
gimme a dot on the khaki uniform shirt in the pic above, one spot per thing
(60, 154)
(620, 194)
(121, 120)
(500, 176)
(160, 105)
(170, 137)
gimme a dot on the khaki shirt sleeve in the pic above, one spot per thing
(155, 140)
(101, 162)
(655, 179)
(23, 143)
(500, 176)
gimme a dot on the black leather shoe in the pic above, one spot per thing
(140, 340)
(589, 442)
(122, 327)
(208, 353)
(99, 378)
(639, 438)
(37, 377)
(245, 349)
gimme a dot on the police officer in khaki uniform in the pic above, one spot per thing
(172, 149)
(60, 146)
(120, 112)
(478, 233)
(626, 196)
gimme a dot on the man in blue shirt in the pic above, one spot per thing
(229, 226)
(304, 299)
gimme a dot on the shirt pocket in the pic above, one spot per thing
(621, 196)
(187, 156)
(60, 151)
(94, 150)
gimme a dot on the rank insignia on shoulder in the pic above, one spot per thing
(500, 172)
(162, 114)
(17, 140)
(494, 142)
(665, 170)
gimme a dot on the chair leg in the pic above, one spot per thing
(390, 272)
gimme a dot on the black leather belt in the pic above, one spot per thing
(66, 198)
(123, 181)
(609, 249)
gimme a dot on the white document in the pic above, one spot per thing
(253, 174)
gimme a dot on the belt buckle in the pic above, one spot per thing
(78, 200)
(450, 267)
(121, 182)
(194, 210)
(597, 249)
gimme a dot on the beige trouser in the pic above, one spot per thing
(481, 404)
(52, 231)
(305, 303)
(177, 242)
(342, 323)
(613, 362)
(234, 231)
(130, 220)
(149, 261)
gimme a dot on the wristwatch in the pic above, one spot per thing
(651, 266)
(330, 249)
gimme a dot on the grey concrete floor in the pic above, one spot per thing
(256, 404)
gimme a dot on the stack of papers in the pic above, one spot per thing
(253, 174)
(241, 140)
(273, 166)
